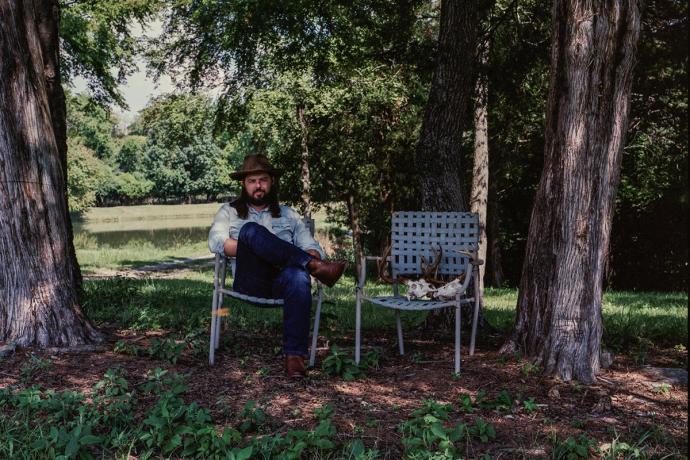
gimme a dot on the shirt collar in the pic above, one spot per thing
(254, 211)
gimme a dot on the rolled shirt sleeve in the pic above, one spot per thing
(222, 228)
(302, 236)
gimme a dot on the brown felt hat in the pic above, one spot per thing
(255, 164)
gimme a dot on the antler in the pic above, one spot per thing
(432, 267)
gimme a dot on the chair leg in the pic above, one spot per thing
(358, 326)
(212, 341)
(457, 338)
(398, 324)
(475, 315)
(218, 319)
(315, 333)
(222, 274)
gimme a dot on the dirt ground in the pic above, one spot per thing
(627, 401)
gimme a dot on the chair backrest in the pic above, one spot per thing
(417, 235)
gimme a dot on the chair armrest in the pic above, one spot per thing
(362, 275)
(474, 257)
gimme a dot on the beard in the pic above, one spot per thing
(258, 201)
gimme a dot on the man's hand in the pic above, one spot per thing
(230, 247)
(314, 253)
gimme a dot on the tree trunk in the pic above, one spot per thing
(48, 17)
(495, 260)
(306, 183)
(480, 173)
(559, 304)
(356, 231)
(438, 153)
(38, 288)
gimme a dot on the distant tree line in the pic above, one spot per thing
(170, 153)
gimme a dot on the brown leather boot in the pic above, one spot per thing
(294, 367)
(326, 272)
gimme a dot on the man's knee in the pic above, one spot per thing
(249, 231)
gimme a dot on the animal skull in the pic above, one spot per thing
(448, 291)
(418, 289)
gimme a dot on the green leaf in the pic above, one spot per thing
(90, 439)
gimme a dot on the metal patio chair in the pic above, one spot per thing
(415, 240)
(220, 290)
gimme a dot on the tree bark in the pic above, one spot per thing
(559, 303)
(38, 289)
(495, 261)
(48, 18)
(356, 231)
(438, 153)
(306, 183)
(480, 173)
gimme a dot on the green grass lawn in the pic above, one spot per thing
(93, 256)
(632, 321)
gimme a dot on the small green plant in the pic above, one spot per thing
(621, 449)
(529, 369)
(577, 423)
(324, 412)
(529, 405)
(466, 403)
(253, 417)
(573, 448)
(166, 349)
(264, 371)
(428, 433)
(482, 430)
(503, 402)
(357, 451)
(127, 348)
(340, 364)
(663, 388)
(33, 367)
(197, 342)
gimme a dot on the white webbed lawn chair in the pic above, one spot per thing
(415, 239)
(220, 290)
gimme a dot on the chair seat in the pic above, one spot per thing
(401, 303)
(259, 301)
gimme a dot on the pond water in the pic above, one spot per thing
(161, 232)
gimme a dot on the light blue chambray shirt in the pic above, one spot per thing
(288, 227)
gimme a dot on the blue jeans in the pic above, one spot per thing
(269, 267)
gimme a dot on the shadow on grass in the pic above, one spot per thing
(634, 320)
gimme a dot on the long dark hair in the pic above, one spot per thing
(241, 204)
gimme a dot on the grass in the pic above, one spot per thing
(94, 256)
(632, 321)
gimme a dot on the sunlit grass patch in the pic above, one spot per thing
(93, 256)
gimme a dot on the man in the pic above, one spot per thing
(275, 253)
